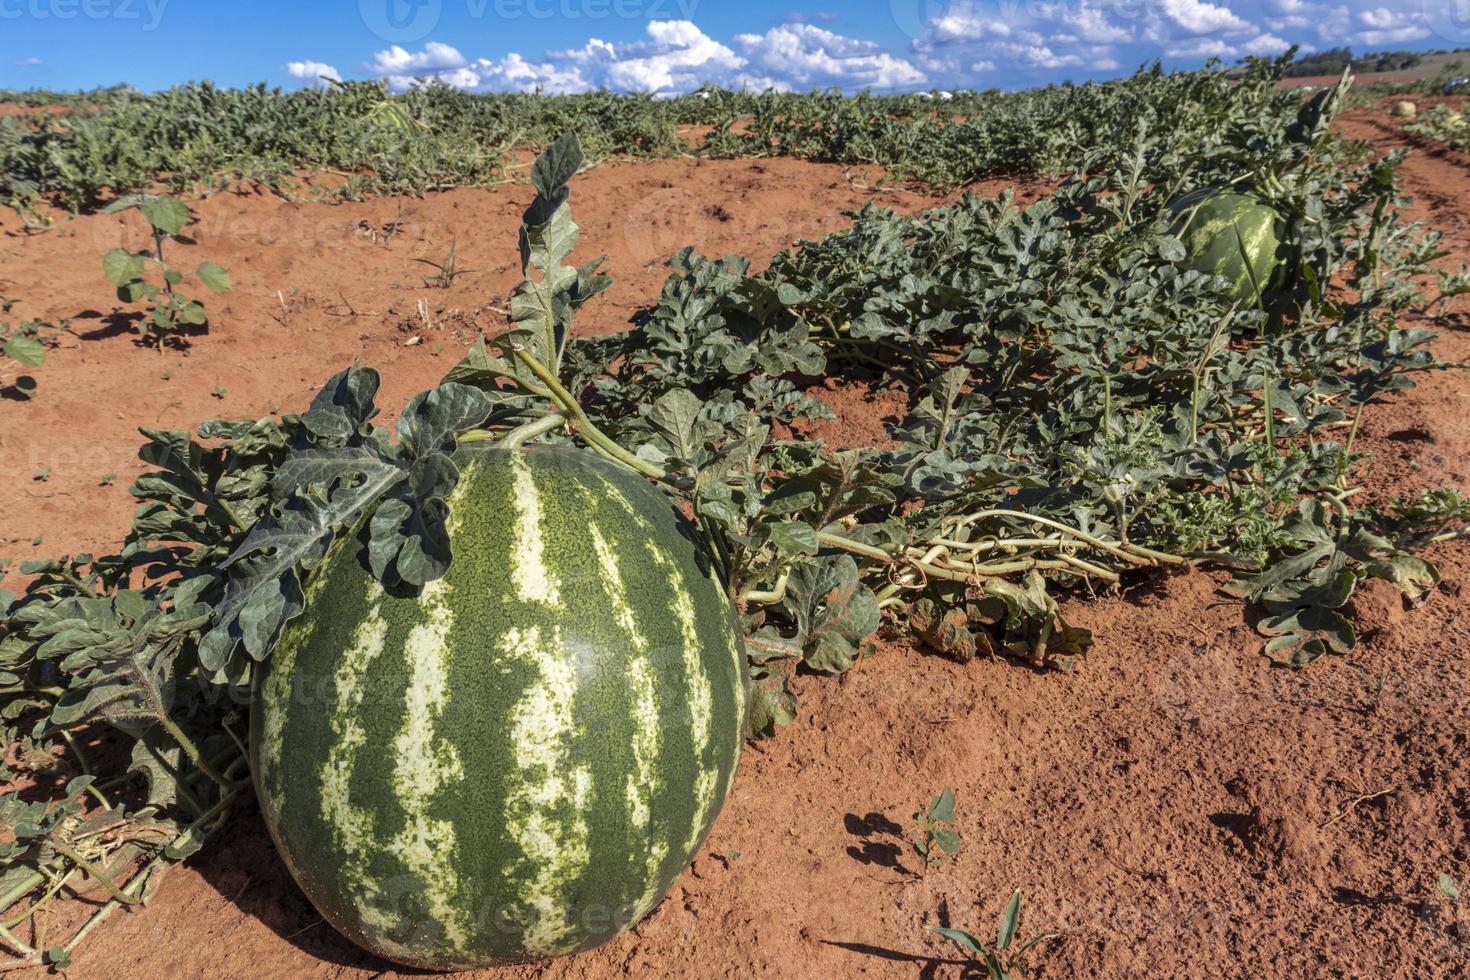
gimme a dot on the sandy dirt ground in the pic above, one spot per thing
(1174, 808)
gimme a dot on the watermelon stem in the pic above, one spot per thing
(767, 597)
(100, 876)
(953, 559)
(517, 438)
(1347, 450)
(192, 751)
(595, 437)
(141, 879)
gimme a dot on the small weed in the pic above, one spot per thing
(936, 836)
(999, 962)
(447, 271)
(42, 475)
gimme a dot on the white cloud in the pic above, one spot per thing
(967, 21)
(678, 57)
(314, 73)
(675, 57)
(513, 73)
(1382, 18)
(1202, 47)
(804, 56)
(1385, 26)
(1364, 25)
(1091, 24)
(435, 57)
(1199, 17)
(1035, 39)
(1265, 45)
(30, 62)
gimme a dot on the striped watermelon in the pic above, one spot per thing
(1231, 235)
(520, 760)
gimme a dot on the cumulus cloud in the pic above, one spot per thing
(1381, 25)
(1199, 17)
(1361, 24)
(967, 22)
(804, 56)
(513, 73)
(1266, 45)
(675, 57)
(1091, 24)
(435, 57)
(314, 73)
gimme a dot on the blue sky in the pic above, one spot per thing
(668, 46)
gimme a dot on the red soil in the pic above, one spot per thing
(1175, 807)
(1369, 78)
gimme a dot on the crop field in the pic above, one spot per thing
(996, 534)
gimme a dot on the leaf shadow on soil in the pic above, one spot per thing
(14, 393)
(872, 848)
(1352, 896)
(121, 323)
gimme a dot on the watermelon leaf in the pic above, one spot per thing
(432, 420)
(835, 614)
(772, 703)
(341, 411)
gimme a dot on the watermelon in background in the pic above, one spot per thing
(519, 760)
(1233, 235)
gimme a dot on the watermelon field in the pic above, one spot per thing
(999, 535)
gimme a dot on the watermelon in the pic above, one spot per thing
(1236, 236)
(518, 760)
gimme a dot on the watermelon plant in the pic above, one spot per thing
(1080, 409)
(199, 136)
(24, 345)
(1443, 125)
(172, 312)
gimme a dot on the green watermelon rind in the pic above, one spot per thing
(520, 760)
(1233, 235)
